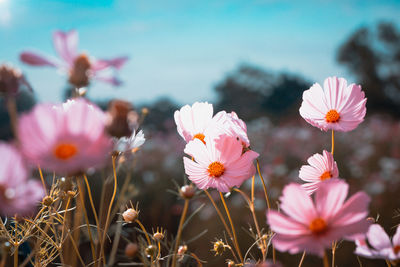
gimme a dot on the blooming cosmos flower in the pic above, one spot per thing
(312, 227)
(338, 106)
(381, 245)
(125, 144)
(78, 66)
(192, 121)
(18, 195)
(320, 168)
(219, 163)
(65, 138)
(197, 121)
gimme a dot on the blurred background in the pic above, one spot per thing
(253, 57)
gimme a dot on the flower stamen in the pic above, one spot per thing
(65, 151)
(216, 169)
(325, 176)
(200, 136)
(318, 226)
(332, 116)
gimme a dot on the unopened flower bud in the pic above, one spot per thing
(150, 251)
(182, 250)
(131, 250)
(230, 263)
(130, 215)
(187, 191)
(158, 236)
(47, 201)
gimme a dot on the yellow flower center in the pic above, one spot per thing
(200, 136)
(326, 175)
(216, 169)
(65, 151)
(318, 226)
(332, 116)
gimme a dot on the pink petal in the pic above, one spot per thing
(396, 237)
(330, 196)
(66, 43)
(116, 63)
(297, 204)
(353, 210)
(280, 223)
(198, 151)
(114, 81)
(35, 59)
(378, 238)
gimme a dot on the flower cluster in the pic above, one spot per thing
(218, 146)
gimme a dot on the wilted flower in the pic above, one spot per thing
(18, 195)
(132, 143)
(79, 67)
(10, 80)
(320, 168)
(65, 138)
(338, 106)
(312, 227)
(219, 163)
(381, 245)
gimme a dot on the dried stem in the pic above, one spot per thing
(178, 236)
(325, 259)
(13, 114)
(302, 258)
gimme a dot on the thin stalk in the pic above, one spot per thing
(144, 231)
(109, 209)
(325, 259)
(252, 210)
(16, 256)
(232, 226)
(42, 178)
(82, 197)
(222, 218)
(388, 263)
(178, 236)
(333, 253)
(333, 143)
(268, 204)
(302, 258)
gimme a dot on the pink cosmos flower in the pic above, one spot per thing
(320, 168)
(197, 121)
(65, 138)
(18, 195)
(77, 65)
(220, 163)
(381, 245)
(312, 227)
(192, 121)
(338, 106)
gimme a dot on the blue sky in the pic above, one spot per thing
(181, 49)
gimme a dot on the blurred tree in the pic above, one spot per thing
(253, 92)
(373, 56)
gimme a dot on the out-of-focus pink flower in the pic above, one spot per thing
(381, 246)
(77, 65)
(313, 227)
(338, 106)
(320, 168)
(192, 121)
(219, 163)
(65, 138)
(18, 195)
